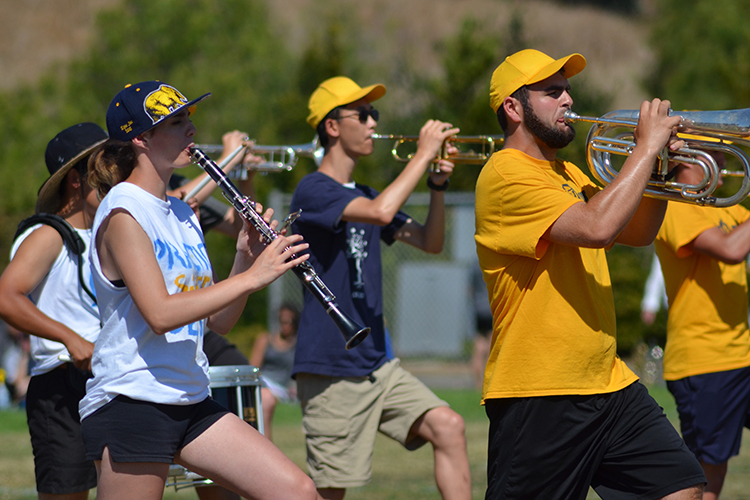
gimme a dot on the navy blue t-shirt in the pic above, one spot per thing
(346, 255)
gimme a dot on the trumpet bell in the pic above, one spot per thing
(312, 150)
(276, 158)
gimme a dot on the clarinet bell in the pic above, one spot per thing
(353, 333)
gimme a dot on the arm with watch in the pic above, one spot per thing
(429, 236)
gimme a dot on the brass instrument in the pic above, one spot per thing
(486, 147)
(278, 158)
(613, 134)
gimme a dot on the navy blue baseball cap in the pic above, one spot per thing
(140, 107)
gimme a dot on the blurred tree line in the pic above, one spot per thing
(702, 54)
(259, 86)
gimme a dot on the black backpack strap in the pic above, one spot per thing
(70, 237)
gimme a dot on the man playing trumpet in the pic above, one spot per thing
(348, 396)
(565, 411)
(702, 251)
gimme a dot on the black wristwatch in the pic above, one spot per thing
(435, 187)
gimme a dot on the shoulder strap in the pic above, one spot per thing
(70, 237)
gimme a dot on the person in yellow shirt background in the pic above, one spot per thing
(702, 251)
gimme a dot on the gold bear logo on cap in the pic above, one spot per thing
(162, 102)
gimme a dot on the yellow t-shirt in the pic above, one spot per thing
(707, 329)
(552, 305)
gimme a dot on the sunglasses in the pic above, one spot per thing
(362, 114)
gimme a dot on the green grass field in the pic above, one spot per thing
(397, 474)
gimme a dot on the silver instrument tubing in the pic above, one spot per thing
(709, 130)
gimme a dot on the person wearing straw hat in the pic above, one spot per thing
(565, 411)
(148, 404)
(703, 252)
(347, 396)
(43, 292)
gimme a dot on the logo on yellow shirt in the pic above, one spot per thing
(571, 190)
(725, 228)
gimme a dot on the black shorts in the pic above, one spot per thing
(139, 431)
(60, 463)
(713, 408)
(555, 447)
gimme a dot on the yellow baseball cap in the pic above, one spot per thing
(526, 67)
(339, 91)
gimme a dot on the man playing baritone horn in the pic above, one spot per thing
(348, 396)
(565, 411)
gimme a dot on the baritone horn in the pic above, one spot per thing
(481, 147)
(718, 131)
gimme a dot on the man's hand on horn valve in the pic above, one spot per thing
(656, 129)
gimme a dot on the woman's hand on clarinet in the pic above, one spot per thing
(276, 259)
(250, 243)
(272, 260)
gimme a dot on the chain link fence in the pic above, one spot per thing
(429, 301)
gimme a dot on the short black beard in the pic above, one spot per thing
(554, 138)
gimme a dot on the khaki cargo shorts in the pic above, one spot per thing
(341, 417)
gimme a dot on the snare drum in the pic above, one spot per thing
(237, 388)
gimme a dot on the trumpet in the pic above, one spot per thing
(278, 158)
(613, 134)
(486, 146)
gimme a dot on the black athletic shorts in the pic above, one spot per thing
(60, 463)
(139, 431)
(555, 447)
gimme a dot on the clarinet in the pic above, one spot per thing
(353, 333)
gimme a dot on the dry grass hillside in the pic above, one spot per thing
(614, 45)
(35, 34)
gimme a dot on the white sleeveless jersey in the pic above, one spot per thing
(129, 358)
(60, 296)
